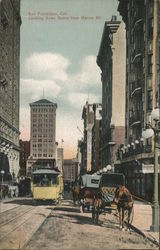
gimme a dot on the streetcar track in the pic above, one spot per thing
(18, 226)
(8, 210)
(10, 235)
(12, 213)
(18, 216)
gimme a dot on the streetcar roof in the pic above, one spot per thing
(45, 171)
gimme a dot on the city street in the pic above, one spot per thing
(46, 226)
(79, 124)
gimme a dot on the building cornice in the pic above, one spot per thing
(9, 125)
(110, 27)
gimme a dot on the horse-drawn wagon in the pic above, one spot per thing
(109, 183)
(90, 189)
(87, 191)
(104, 192)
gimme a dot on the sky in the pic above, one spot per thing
(60, 40)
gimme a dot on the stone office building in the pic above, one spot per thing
(112, 61)
(136, 158)
(10, 22)
(43, 135)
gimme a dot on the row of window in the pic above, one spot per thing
(42, 155)
(43, 109)
(40, 145)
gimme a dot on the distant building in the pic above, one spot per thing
(136, 158)
(59, 159)
(79, 156)
(24, 154)
(43, 134)
(10, 22)
(69, 170)
(112, 61)
(88, 118)
(96, 137)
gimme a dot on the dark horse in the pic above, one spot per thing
(75, 193)
(124, 201)
(4, 191)
(88, 197)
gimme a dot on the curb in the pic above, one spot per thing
(137, 230)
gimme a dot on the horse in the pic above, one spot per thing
(97, 205)
(4, 191)
(124, 201)
(75, 193)
(88, 197)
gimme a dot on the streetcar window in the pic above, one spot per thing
(54, 179)
(37, 179)
(49, 179)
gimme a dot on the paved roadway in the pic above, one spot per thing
(62, 227)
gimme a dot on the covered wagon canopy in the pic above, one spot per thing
(90, 181)
(112, 179)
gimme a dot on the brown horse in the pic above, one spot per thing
(124, 201)
(75, 193)
(97, 205)
(88, 197)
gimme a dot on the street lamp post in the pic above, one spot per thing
(147, 134)
(155, 208)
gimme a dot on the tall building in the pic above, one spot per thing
(43, 133)
(10, 22)
(96, 137)
(112, 61)
(142, 92)
(88, 118)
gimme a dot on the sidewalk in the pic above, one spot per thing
(143, 219)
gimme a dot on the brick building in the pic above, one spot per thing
(24, 154)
